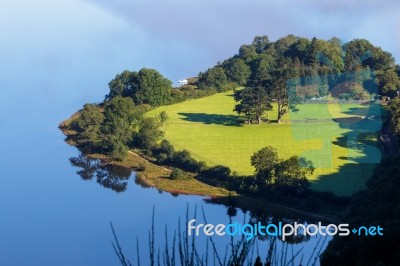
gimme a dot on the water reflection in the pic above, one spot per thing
(221, 250)
(271, 250)
(109, 176)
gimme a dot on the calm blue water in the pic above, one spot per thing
(57, 55)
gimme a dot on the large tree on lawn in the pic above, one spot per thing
(253, 102)
(278, 86)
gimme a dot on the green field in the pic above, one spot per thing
(322, 133)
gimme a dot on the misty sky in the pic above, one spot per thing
(80, 45)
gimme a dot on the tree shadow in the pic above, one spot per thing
(350, 178)
(226, 120)
(364, 152)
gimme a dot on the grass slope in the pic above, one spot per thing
(209, 129)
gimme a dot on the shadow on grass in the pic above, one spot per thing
(226, 120)
(363, 149)
(350, 178)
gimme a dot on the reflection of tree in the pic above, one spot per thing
(268, 219)
(237, 250)
(265, 217)
(89, 166)
(109, 176)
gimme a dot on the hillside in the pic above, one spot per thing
(210, 130)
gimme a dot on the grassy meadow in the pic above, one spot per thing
(340, 139)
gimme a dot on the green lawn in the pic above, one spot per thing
(322, 133)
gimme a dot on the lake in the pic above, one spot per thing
(57, 56)
(51, 216)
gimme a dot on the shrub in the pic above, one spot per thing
(176, 174)
(219, 172)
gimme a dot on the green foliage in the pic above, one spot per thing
(261, 69)
(151, 88)
(248, 53)
(291, 174)
(147, 86)
(288, 175)
(264, 161)
(213, 77)
(354, 91)
(118, 148)
(117, 127)
(149, 134)
(237, 71)
(164, 152)
(260, 43)
(163, 116)
(394, 108)
(184, 160)
(122, 84)
(218, 172)
(388, 81)
(276, 86)
(88, 126)
(211, 131)
(176, 173)
(253, 102)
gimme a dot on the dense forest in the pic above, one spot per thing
(265, 72)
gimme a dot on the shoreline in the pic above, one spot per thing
(150, 174)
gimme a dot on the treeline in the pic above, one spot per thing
(311, 68)
(119, 125)
(394, 109)
(281, 181)
(148, 86)
(285, 72)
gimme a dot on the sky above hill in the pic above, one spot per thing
(84, 43)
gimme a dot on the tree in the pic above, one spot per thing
(88, 125)
(312, 51)
(213, 78)
(253, 102)
(388, 82)
(291, 174)
(278, 87)
(260, 42)
(264, 162)
(394, 108)
(355, 52)
(164, 152)
(118, 125)
(122, 84)
(237, 71)
(218, 172)
(260, 70)
(151, 88)
(149, 134)
(176, 173)
(147, 86)
(275, 174)
(248, 53)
